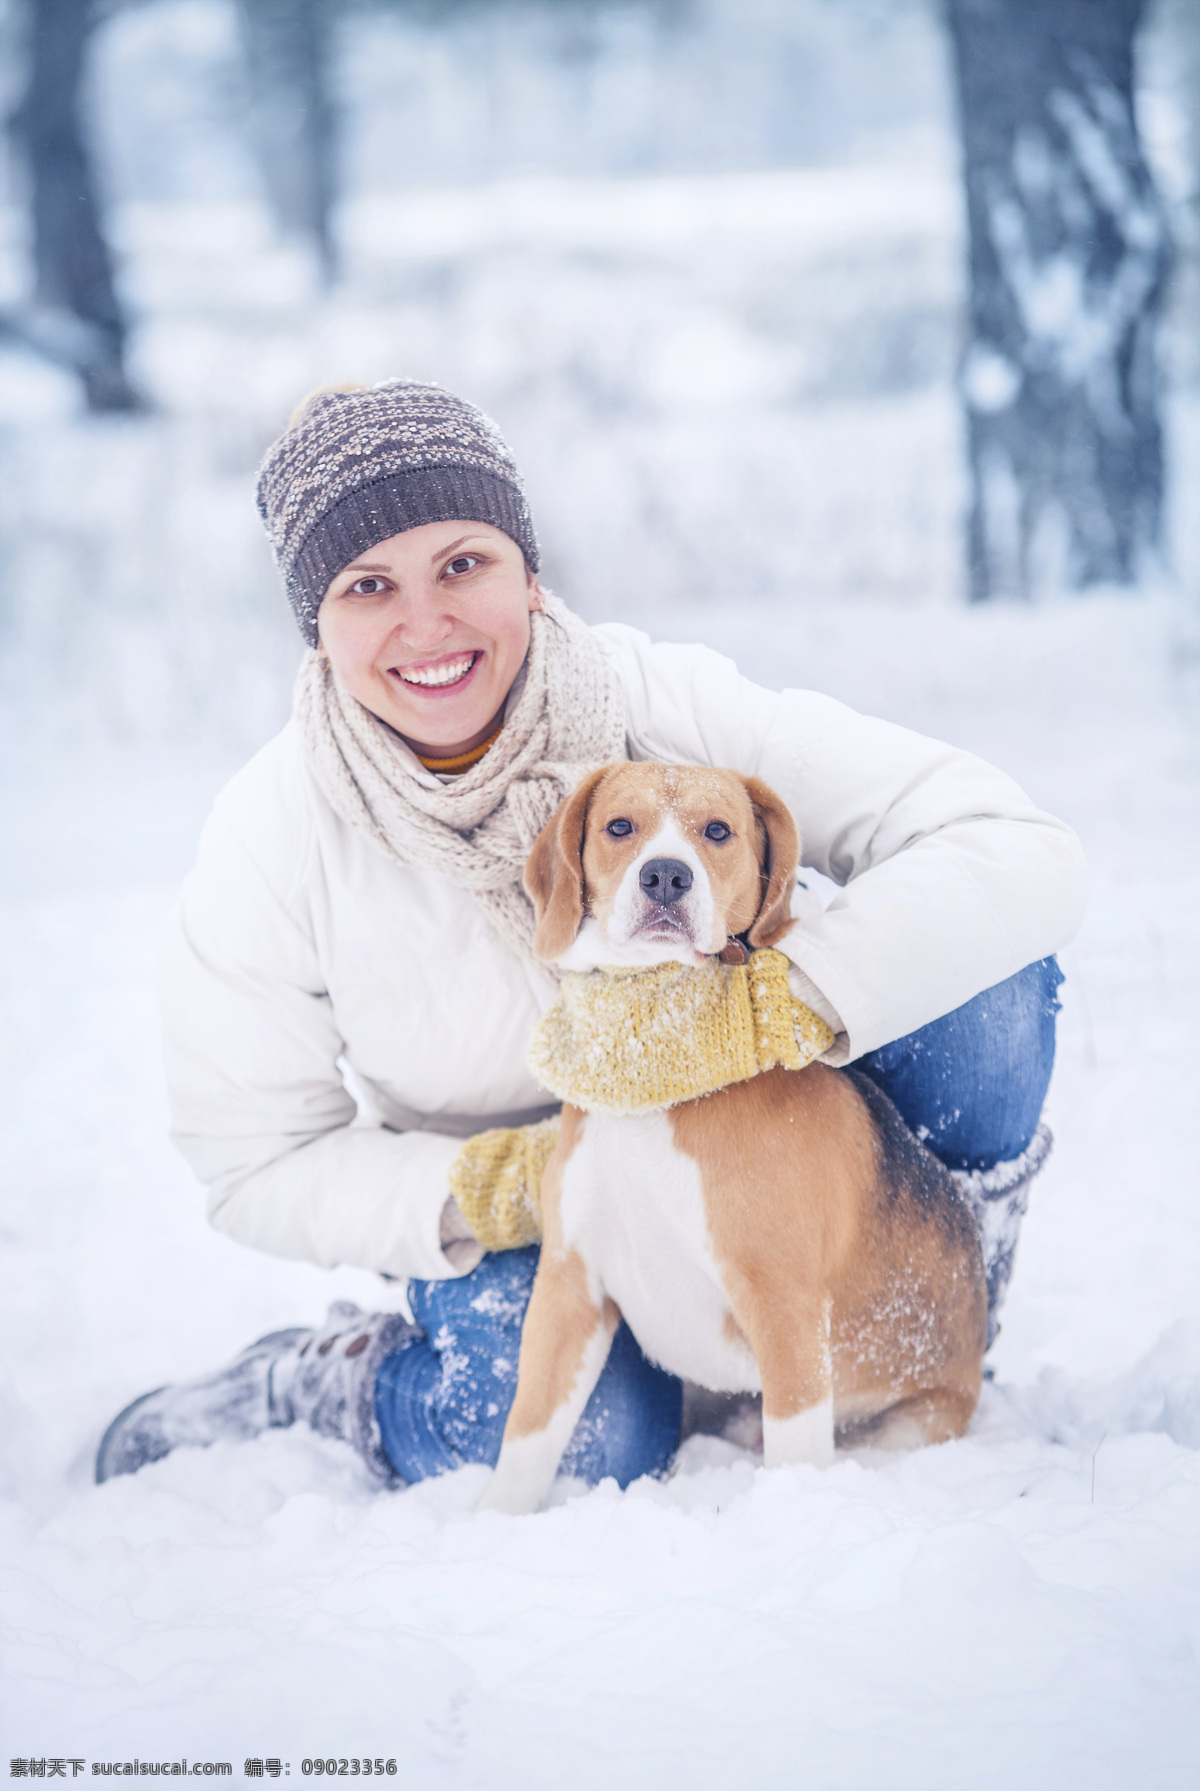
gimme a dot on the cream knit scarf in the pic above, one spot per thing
(477, 830)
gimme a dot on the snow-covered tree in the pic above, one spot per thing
(76, 316)
(1069, 254)
(289, 51)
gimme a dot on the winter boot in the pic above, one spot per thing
(734, 1417)
(998, 1198)
(324, 1378)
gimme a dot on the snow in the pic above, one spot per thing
(1020, 1605)
(739, 386)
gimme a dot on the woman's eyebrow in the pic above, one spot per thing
(376, 566)
(442, 551)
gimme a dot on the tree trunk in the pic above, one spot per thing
(1068, 261)
(289, 51)
(77, 317)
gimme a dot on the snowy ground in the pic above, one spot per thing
(1021, 1607)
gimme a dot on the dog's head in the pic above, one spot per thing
(646, 862)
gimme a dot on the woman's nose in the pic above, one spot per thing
(421, 616)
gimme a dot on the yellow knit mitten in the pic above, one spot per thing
(496, 1179)
(629, 1041)
(785, 1030)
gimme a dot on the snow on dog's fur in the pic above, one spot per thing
(787, 1233)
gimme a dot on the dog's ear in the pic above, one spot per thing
(554, 872)
(779, 845)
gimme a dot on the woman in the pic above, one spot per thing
(356, 920)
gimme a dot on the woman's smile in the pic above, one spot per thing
(436, 676)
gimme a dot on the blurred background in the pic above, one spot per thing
(786, 307)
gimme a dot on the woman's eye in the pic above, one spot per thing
(619, 830)
(717, 830)
(367, 587)
(462, 562)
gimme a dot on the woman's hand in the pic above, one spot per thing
(496, 1180)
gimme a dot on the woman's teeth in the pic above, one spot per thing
(448, 673)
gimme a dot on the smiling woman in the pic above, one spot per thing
(358, 900)
(429, 630)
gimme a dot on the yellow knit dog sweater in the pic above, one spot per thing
(631, 1041)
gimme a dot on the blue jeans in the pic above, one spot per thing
(443, 1401)
(971, 1085)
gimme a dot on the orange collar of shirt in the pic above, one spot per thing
(461, 761)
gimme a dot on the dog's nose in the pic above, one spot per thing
(665, 879)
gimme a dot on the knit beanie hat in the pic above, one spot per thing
(356, 467)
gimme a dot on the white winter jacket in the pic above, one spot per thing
(300, 948)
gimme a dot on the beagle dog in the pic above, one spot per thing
(787, 1233)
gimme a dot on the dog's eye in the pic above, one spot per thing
(619, 829)
(717, 830)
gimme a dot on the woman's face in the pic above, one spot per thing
(429, 629)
